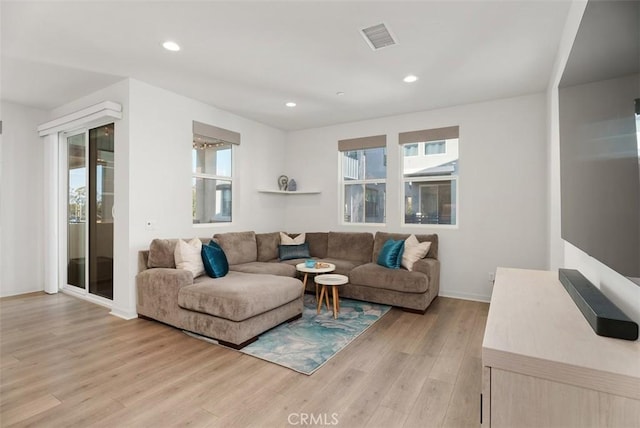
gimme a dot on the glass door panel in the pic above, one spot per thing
(77, 210)
(101, 192)
(90, 165)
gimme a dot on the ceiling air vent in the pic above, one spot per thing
(378, 36)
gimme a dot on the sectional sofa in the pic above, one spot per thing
(261, 291)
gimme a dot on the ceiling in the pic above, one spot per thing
(250, 58)
(607, 44)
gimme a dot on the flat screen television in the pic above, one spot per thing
(599, 149)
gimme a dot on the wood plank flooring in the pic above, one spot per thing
(65, 362)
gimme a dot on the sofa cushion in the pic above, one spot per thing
(318, 242)
(382, 237)
(288, 252)
(343, 267)
(376, 276)
(391, 254)
(161, 253)
(354, 246)
(293, 262)
(214, 260)
(414, 251)
(271, 268)
(239, 247)
(239, 296)
(267, 244)
(188, 256)
(291, 240)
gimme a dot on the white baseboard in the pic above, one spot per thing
(11, 293)
(466, 296)
(125, 315)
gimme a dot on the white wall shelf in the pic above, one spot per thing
(287, 192)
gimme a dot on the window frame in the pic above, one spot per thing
(454, 178)
(230, 179)
(404, 180)
(342, 183)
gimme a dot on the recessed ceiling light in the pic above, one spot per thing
(290, 104)
(171, 46)
(410, 78)
(339, 93)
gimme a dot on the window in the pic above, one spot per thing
(212, 173)
(212, 181)
(363, 179)
(431, 182)
(435, 148)
(411, 150)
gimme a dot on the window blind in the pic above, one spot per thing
(215, 133)
(362, 143)
(436, 134)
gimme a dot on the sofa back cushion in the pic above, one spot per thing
(382, 237)
(267, 246)
(355, 246)
(318, 242)
(239, 247)
(161, 253)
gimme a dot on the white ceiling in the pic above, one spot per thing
(251, 57)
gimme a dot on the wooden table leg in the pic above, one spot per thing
(320, 300)
(304, 281)
(326, 296)
(335, 302)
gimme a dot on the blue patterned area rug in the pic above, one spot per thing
(306, 344)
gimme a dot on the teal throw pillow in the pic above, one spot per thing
(214, 260)
(290, 252)
(391, 254)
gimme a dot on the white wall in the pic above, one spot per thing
(21, 201)
(153, 174)
(616, 287)
(502, 186)
(160, 169)
(160, 182)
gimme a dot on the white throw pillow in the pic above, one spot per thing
(188, 256)
(287, 240)
(414, 251)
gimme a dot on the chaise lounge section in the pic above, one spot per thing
(234, 309)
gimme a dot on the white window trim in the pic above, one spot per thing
(233, 191)
(404, 180)
(341, 185)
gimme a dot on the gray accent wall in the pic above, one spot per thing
(600, 182)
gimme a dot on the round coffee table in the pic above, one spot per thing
(326, 267)
(334, 281)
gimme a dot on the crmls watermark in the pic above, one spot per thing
(322, 419)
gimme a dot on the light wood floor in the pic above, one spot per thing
(66, 362)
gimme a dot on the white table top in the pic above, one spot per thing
(301, 267)
(331, 279)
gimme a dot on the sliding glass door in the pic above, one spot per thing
(90, 190)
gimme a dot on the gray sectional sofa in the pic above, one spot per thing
(260, 291)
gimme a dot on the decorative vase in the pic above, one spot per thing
(292, 186)
(283, 182)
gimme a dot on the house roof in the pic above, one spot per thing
(250, 58)
(444, 169)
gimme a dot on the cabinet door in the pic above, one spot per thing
(485, 401)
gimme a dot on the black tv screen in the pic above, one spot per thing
(599, 147)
